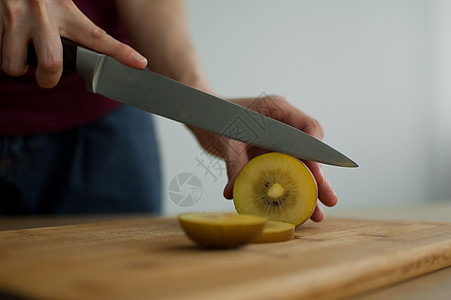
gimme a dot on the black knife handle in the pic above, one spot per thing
(69, 55)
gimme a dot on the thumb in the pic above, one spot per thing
(235, 159)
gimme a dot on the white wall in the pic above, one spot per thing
(363, 68)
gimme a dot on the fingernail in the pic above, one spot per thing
(138, 57)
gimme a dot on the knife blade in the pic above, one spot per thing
(163, 96)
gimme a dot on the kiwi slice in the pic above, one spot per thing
(277, 186)
(221, 230)
(276, 231)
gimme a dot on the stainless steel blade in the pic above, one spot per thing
(168, 98)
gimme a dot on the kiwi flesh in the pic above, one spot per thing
(277, 186)
(217, 230)
(276, 231)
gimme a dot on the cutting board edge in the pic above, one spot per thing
(315, 288)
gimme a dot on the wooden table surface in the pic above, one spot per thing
(434, 285)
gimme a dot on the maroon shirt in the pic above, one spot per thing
(27, 109)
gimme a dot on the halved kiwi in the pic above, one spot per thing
(276, 231)
(277, 186)
(221, 230)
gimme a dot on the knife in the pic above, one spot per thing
(160, 95)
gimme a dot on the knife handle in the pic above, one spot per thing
(69, 55)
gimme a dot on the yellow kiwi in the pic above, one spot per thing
(277, 186)
(276, 231)
(221, 230)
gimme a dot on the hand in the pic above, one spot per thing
(237, 154)
(44, 22)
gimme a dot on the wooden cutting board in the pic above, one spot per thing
(151, 258)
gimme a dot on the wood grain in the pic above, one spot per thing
(151, 258)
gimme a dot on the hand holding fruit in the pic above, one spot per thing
(237, 154)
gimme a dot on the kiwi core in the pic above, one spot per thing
(275, 191)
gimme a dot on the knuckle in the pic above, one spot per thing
(51, 66)
(51, 62)
(38, 4)
(98, 34)
(279, 98)
(14, 10)
(12, 68)
(40, 11)
(69, 4)
(98, 38)
(316, 125)
(18, 13)
(276, 106)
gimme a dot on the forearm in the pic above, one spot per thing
(159, 30)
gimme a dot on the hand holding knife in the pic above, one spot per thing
(157, 94)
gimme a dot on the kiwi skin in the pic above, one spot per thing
(276, 231)
(222, 234)
(252, 190)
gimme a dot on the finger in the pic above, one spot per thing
(49, 52)
(302, 121)
(14, 51)
(326, 194)
(235, 158)
(104, 43)
(279, 108)
(315, 168)
(85, 32)
(228, 190)
(318, 214)
(314, 128)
